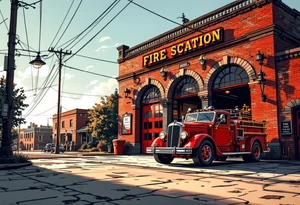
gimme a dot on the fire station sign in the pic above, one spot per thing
(184, 47)
(286, 127)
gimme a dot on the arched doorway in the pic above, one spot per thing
(230, 88)
(297, 131)
(152, 116)
(185, 96)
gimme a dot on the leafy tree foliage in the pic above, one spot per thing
(103, 119)
(18, 106)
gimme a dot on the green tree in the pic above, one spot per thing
(18, 106)
(103, 119)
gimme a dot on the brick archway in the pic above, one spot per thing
(291, 104)
(183, 72)
(142, 88)
(227, 60)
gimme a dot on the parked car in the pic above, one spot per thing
(61, 149)
(48, 147)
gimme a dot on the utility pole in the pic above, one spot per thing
(59, 54)
(5, 150)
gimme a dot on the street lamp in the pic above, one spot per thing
(261, 76)
(37, 62)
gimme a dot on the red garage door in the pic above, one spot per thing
(152, 124)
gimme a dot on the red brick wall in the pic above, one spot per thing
(238, 27)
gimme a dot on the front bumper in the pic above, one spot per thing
(169, 150)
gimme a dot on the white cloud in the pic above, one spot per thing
(102, 48)
(88, 67)
(93, 82)
(31, 71)
(105, 38)
(68, 76)
(50, 101)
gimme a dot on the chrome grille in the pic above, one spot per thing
(174, 130)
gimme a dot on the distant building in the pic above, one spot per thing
(34, 137)
(72, 128)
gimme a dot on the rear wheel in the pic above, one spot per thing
(163, 158)
(204, 154)
(255, 153)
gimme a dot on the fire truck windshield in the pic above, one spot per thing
(200, 117)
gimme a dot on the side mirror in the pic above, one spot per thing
(222, 118)
(182, 118)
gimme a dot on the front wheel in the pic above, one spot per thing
(204, 154)
(163, 158)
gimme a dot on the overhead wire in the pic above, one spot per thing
(161, 16)
(98, 20)
(98, 59)
(69, 22)
(99, 31)
(85, 71)
(27, 39)
(62, 23)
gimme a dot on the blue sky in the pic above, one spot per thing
(133, 26)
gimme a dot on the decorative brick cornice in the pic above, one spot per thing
(288, 54)
(222, 14)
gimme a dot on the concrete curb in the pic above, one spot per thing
(14, 166)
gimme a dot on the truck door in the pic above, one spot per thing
(222, 133)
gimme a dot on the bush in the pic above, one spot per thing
(90, 145)
(21, 158)
(84, 146)
(94, 149)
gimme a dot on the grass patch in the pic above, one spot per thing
(21, 158)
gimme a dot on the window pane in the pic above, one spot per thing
(230, 76)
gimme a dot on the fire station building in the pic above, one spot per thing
(244, 54)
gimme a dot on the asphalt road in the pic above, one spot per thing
(140, 180)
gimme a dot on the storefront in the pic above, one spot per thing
(239, 55)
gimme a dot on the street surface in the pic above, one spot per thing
(120, 179)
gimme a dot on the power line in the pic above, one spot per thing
(69, 23)
(98, 59)
(106, 76)
(62, 23)
(99, 31)
(164, 17)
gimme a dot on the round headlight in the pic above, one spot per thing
(162, 135)
(183, 135)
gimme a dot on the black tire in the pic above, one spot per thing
(221, 158)
(204, 155)
(255, 153)
(163, 158)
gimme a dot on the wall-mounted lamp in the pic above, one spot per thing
(163, 73)
(261, 76)
(202, 62)
(126, 92)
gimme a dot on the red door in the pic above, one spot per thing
(298, 133)
(152, 124)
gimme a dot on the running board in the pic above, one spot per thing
(235, 153)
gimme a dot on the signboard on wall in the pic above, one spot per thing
(286, 127)
(127, 124)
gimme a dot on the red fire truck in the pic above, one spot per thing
(211, 135)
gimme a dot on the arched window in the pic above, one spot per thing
(186, 86)
(152, 94)
(230, 76)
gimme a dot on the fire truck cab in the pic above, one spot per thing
(209, 135)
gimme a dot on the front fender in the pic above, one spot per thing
(158, 142)
(196, 140)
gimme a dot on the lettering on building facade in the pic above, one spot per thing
(184, 47)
